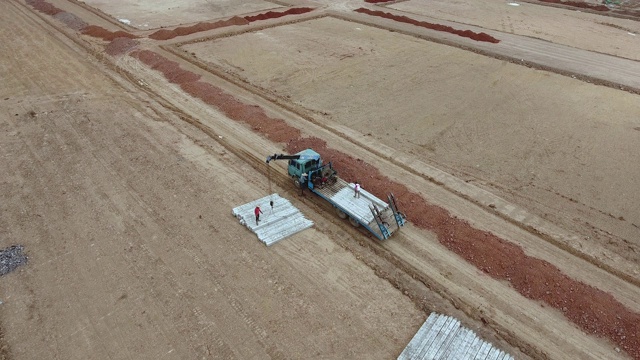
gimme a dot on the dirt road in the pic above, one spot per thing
(119, 180)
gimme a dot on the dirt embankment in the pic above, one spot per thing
(593, 310)
(104, 34)
(275, 14)
(44, 7)
(76, 23)
(166, 34)
(404, 19)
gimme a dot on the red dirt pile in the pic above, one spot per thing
(165, 34)
(104, 34)
(595, 311)
(44, 7)
(120, 46)
(275, 129)
(67, 18)
(275, 15)
(464, 33)
(377, 1)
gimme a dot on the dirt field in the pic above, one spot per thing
(530, 139)
(146, 15)
(120, 169)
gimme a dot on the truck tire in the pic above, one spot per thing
(296, 183)
(341, 214)
(354, 222)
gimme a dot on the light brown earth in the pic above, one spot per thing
(120, 185)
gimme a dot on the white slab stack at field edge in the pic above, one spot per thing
(443, 337)
(275, 224)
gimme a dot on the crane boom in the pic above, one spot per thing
(292, 157)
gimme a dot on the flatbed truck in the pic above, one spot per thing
(307, 170)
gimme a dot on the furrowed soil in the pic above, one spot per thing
(124, 151)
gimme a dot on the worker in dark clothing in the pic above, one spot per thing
(257, 211)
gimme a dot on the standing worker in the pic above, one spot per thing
(257, 211)
(303, 183)
(356, 190)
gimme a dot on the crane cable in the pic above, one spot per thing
(270, 192)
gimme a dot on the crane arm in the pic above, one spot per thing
(291, 157)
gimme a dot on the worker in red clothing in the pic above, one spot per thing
(257, 211)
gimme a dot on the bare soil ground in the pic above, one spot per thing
(539, 140)
(145, 15)
(119, 173)
(589, 31)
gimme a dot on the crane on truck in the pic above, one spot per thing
(307, 170)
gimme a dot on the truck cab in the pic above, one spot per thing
(309, 160)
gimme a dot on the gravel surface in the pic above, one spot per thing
(11, 258)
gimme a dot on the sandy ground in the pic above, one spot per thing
(123, 267)
(155, 14)
(120, 185)
(610, 35)
(557, 142)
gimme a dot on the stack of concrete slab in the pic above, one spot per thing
(358, 206)
(277, 223)
(443, 337)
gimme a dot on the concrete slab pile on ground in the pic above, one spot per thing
(277, 223)
(443, 337)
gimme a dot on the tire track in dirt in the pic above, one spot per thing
(4, 347)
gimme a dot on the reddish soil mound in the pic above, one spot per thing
(121, 46)
(275, 129)
(377, 1)
(578, 4)
(165, 34)
(100, 32)
(464, 33)
(275, 15)
(595, 311)
(170, 69)
(44, 7)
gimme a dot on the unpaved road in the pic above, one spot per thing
(123, 205)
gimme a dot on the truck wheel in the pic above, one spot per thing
(296, 183)
(353, 222)
(341, 214)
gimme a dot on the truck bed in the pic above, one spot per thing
(341, 195)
